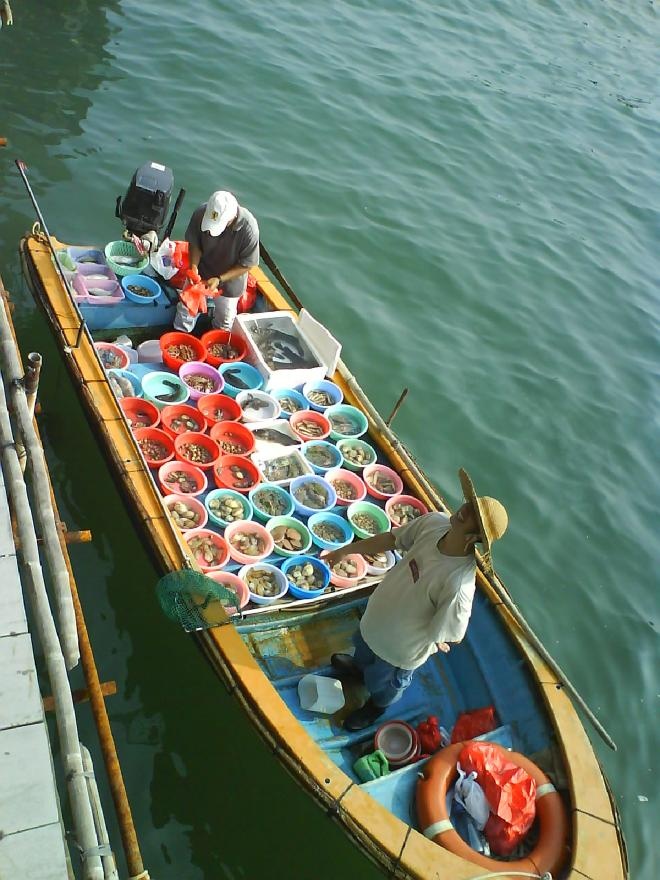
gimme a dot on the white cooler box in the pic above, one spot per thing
(287, 351)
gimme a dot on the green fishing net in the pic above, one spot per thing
(194, 601)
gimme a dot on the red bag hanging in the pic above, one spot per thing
(249, 298)
(474, 723)
(180, 259)
(510, 792)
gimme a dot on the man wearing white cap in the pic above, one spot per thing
(423, 603)
(224, 243)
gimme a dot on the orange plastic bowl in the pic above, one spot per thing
(139, 413)
(232, 434)
(222, 337)
(187, 445)
(172, 358)
(155, 445)
(309, 415)
(219, 408)
(178, 418)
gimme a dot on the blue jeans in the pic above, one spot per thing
(385, 683)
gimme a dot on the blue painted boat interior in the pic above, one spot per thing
(484, 670)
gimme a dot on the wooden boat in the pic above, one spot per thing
(262, 655)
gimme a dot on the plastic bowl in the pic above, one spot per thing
(299, 484)
(331, 451)
(409, 500)
(376, 570)
(232, 434)
(172, 358)
(342, 583)
(180, 418)
(241, 372)
(232, 582)
(369, 451)
(223, 337)
(184, 442)
(290, 522)
(319, 566)
(299, 419)
(295, 396)
(248, 527)
(222, 548)
(258, 406)
(375, 512)
(219, 408)
(193, 504)
(333, 391)
(226, 478)
(281, 579)
(125, 249)
(146, 283)
(262, 515)
(330, 519)
(380, 472)
(150, 437)
(175, 487)
(112, 356)
(193, 369)
(139, 413)
(341, 475)
(165, 384)
(398, 741)
(217, 495)
(344, 411)
(131, 378)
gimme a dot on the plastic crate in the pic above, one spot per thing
(114, 294)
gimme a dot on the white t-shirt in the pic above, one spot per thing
(426, 598)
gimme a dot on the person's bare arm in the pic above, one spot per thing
(375, 544)
(218, 280)
(195, 255)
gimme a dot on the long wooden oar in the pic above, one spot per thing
(492, 578)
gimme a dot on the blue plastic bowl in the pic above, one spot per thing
(300, 399)
(334, 520)
(332, 390)
(141, 281)
(132, 378)
(260, 514)
(249, 375)
(330, 448)
(300, 507)
(217, 494)
(320, 566)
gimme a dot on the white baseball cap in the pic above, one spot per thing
(221, 209)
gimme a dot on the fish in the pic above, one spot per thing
(274, 436)
(122, 260)
(173, 395)
(97, 291)
(255, 402)
(234, 378)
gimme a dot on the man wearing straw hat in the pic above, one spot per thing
(423, 603)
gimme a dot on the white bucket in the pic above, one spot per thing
(149, 352)
(318, 693)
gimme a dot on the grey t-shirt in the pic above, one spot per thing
(239, 244)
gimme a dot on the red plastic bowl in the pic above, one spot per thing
(223, 337)
(139, 413)
(170, 419)
(174, 487)
(150, 436)
(192, 438)
(232, 433)
(398, 741)
(404, 499)
(310, 415)
(193, 504)
(176, 338)
(219, 408)
(225, 478)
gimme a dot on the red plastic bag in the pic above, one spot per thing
(194, 296)
(510, 792)
(249, 298)
(429, 735)
(474, 723)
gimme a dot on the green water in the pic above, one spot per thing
(467, 196)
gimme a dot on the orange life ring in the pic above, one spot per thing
(439, 773)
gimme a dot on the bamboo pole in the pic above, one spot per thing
(53, 656)
(107, 857)
(30, 384)
(12, 372)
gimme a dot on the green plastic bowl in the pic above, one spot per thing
(358, 444)
(290, 522)
(382, 519)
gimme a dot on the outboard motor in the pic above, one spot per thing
(147, 201)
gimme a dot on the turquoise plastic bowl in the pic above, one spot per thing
(348, 412)
(245, 373)
(216, 494)
(155, 383)
(260, 514)
(320, 566)
(382, 519)
(279, 393)
(334, 520)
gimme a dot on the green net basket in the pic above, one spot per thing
(125, 250)
(194, 601)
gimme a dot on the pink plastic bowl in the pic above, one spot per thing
(248, 527)
(233, 582)
(171, 488)
(347, 477)
(343, 582)
(200, 368)
(404, 499)
(193, 503)
(370, 472)
(217, 540)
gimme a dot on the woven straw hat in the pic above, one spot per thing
(491, 514)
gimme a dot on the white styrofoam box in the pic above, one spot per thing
(318, 344)
(262, 459)
(282, 426)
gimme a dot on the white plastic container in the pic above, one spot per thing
(149, 352)
(318, 693)
(265, 446)
(263, 459)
